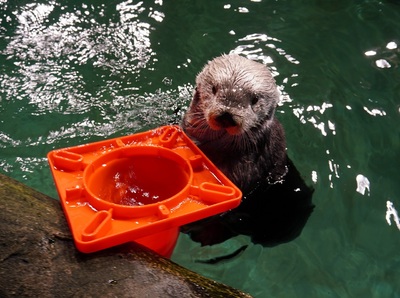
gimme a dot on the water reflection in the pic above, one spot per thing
(391, 213)
(86, 60)
(385, 57)
(48, 52)
(362, 184)
(76, 72)
(253, 46)
(262, 48)
(73, 72)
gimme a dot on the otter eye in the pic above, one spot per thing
(254, 100)
(214, 90)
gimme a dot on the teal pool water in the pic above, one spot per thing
(74, 72)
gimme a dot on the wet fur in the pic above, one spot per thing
(231, 118)
(255, 148)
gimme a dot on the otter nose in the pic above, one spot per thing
(225, 120)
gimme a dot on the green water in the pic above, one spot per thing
(74, 72)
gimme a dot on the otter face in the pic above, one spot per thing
(233, 95)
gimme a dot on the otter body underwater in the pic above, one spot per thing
(232, 119)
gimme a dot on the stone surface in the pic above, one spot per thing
(38, 258)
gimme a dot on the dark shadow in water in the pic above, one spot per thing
(271, 214)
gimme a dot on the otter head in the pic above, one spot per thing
(233, 95)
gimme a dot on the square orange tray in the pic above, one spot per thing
(118, 190)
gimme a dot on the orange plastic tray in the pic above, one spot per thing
(129, 188)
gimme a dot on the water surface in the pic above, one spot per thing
(73, 72)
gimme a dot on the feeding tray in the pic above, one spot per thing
(140, 187)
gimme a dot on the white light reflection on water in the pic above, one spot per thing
(53, 50)
(382, 63)
(74, 72)
(48, 53)
(391, 45)
(387, 57)
(392, 212)
(256, 46)
(265, 49)
(249, 47)
(370, 53)
(314, 118)
(375, 112)
(334, 169)
(314, 176)
(243, 10)
(362, 184)
(261, 47)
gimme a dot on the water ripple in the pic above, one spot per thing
(51, 56)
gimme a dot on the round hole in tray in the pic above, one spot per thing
(133, 180)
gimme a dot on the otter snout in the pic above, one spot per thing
(224, 120)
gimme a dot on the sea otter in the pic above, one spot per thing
(231, 118)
